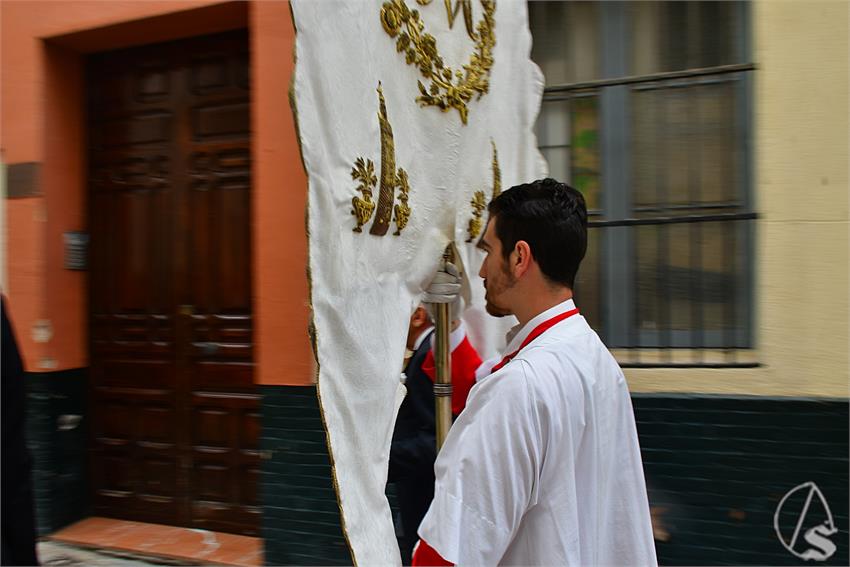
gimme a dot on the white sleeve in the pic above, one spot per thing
(486, 473)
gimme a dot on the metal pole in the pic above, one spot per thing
(442, 358)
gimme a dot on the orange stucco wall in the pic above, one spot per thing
(25, 24)
(25, 237)
(63, 183)
(280, 198)
(42, 45)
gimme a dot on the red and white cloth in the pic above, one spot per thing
(464, 360)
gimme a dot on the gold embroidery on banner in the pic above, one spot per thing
(452, 13)
(449, 88)
(402, 209)
(364, 173)
(497, 172)
(478, 203)
(467, 16)
(386, 195)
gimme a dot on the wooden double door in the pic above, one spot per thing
(175, 419)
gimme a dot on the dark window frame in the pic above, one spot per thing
(617, 220)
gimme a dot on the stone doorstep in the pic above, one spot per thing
(159, 544)
(59, 554)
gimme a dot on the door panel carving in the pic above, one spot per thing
(175, 409)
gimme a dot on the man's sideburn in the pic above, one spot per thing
(499, 285)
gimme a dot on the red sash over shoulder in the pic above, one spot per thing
(538, 330)
(424, 554)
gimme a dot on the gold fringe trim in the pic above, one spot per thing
(312, 332)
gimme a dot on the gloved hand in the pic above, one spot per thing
(445, 287)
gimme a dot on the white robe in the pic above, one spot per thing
(543, 466)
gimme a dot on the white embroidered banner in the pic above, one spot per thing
(392, 180)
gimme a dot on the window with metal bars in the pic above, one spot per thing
(647, 112)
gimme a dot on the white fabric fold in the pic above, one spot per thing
(364, 287)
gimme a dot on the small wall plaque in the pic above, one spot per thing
(76, 250)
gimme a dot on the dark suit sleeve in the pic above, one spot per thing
(409, 455)
(414, 443)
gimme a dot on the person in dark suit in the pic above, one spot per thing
(16, 506)
(414, 443)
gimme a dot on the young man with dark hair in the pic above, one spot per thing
(543, 466)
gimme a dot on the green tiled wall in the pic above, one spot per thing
(57, 427)
(301, 521)
(721, 465)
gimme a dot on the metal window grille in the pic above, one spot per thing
(663, 159)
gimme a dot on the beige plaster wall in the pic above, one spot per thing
(801, 193)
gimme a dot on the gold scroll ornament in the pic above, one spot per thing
(363, 172)
(497, 171)
(362, 207)
(479, 202)
(449, 88)
(402, 209)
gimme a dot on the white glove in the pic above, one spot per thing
(445, 287)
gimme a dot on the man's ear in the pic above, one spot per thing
(521, 258)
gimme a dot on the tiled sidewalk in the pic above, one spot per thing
(161, 544)
(55, 554)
